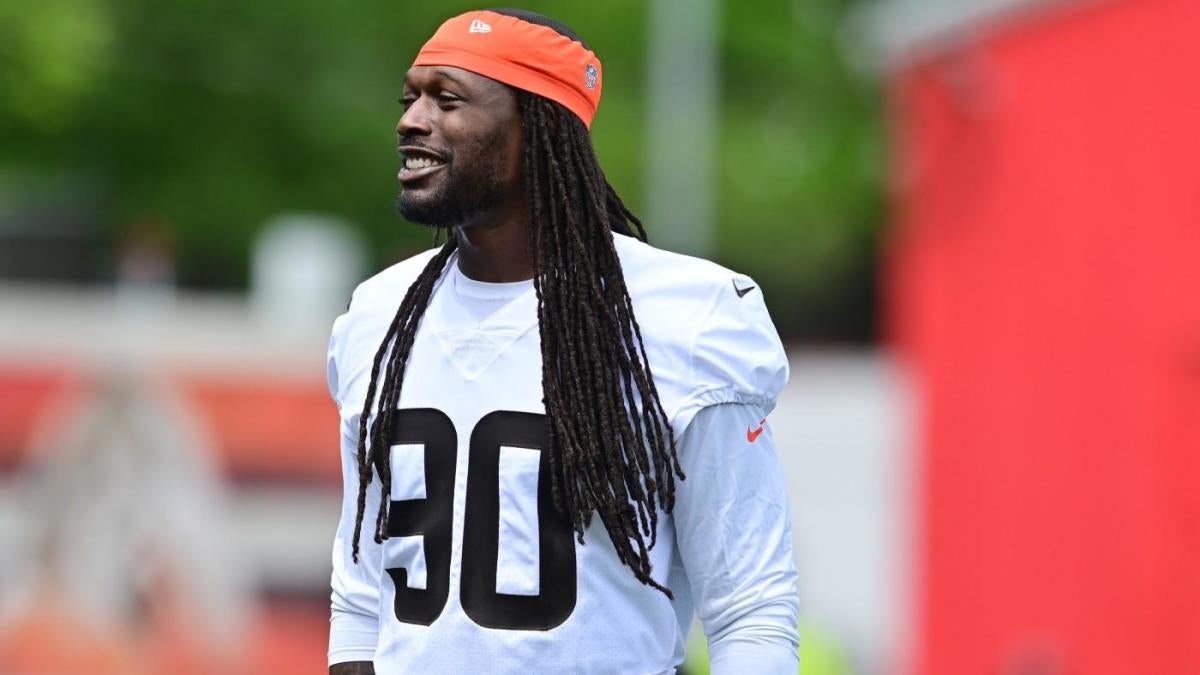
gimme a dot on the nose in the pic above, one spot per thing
(415, 120)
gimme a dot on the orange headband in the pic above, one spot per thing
(525, 55)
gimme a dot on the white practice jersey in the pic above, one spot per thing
(479, 573)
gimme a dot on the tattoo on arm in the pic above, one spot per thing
(353, 668)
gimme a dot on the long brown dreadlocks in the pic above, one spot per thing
(611, 447)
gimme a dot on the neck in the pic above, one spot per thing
(496, 248)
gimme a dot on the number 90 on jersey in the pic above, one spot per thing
(433, 517)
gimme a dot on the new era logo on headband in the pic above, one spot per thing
(478, 26)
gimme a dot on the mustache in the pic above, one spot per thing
(413, 144)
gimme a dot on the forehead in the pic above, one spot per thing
(420, 77)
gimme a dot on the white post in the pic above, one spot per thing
(682, 90)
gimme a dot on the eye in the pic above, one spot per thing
(407, 100)
(446, 97)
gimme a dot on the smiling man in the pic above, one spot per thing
(554, 440)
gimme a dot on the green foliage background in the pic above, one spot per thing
(214, 115)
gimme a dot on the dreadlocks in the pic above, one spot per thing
(611, 447)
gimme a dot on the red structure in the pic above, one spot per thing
(1044, 286)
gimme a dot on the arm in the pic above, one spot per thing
(734, 537)
(354, 616)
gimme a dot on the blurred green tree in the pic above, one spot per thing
(213, 115)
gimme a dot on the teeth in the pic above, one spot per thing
(420, 163)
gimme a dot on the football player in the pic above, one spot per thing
(554, 439)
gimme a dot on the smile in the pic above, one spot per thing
(418, 164)
(421, 163)
(415, 169)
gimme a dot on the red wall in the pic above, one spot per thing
(1044, 287)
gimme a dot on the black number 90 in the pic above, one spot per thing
(432, 517)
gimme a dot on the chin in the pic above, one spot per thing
(450, 203)
(431, 213)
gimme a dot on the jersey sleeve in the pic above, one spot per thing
(735, 541)
(736, 355)
(354, 616)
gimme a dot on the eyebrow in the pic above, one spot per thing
(450, 77)
(443, 74)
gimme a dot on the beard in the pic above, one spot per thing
(470, 188)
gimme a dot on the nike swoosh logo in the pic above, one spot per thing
(753, 434)
(742, 291)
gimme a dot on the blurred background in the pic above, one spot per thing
(976, 223)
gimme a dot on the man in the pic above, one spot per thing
(555, 450)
